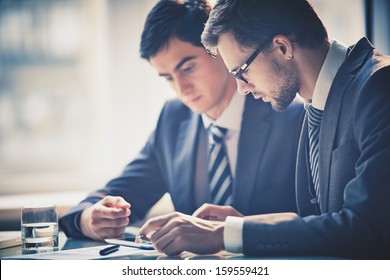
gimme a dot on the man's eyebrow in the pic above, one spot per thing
(184, 60)
(180, 64)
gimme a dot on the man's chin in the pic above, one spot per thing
(279, 107)
(196, 110)
(281, 104)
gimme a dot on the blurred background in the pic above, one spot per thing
(76, 101)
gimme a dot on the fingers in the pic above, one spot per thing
(106, 218)
(99, 228)
(171, 244)
(215, 212)
(176, 235)
(172, 224)
(103, 233)
(115, 202)
(154, 224)
(99, 222)
(164, 232)
(112, 207)
(206, 211)
(101, 211)
(176, 232)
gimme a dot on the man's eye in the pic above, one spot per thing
(187, 69)
(169, 78)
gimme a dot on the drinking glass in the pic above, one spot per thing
(39, 229)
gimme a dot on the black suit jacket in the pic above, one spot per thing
(353, 220)
(265, 169)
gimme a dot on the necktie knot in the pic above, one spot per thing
(216, 134)
(314, 117)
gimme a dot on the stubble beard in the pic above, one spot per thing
(288, 89)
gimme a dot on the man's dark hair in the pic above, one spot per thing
(256, 22)
(183, 20)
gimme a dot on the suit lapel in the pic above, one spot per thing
(330, 119)
(185, 162)
(251, 145)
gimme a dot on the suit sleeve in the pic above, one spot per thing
(362, 228)
(141, 184)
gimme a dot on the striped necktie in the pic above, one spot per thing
(314, 125)
(221, 185)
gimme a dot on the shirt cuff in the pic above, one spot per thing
(232, 234)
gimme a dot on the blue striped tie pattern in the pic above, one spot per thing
(221, 184)
(314, 125)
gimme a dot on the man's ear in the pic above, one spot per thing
(284, 45)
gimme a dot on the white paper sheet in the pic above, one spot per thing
(10, 239)
(90, 253)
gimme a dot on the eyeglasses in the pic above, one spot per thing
(237, 73)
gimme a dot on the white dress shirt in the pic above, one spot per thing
(334, 59)
(231, 119)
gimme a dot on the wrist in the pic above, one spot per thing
(218, 233)
(85, 221)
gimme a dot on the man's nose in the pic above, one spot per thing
(183, 87)
(244, 88)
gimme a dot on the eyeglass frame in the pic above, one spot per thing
(237, 73)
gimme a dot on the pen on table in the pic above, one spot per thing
(109, 250)
(143, 238)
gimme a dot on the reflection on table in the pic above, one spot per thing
(72, 243)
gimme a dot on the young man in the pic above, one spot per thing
(260, 142)
(276, 48)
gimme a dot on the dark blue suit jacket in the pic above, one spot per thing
(353, 219)
(264, 177)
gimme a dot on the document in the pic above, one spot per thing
(10, 239)
(89, 253)
(129, 243)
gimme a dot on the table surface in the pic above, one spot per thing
(65, 243)
(71, 243)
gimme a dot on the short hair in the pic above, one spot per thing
(183, 20)
(256, 22)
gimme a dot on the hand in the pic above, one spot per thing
(215, 212)
(176, 232)
(107, 218)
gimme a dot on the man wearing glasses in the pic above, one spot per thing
(211, 145)
(343, 179)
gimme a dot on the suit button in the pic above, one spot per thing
(277, 247)
(285, 247)
(268, 247)
(260, 247)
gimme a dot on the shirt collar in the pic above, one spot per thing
(334, 59)
(232, 115)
